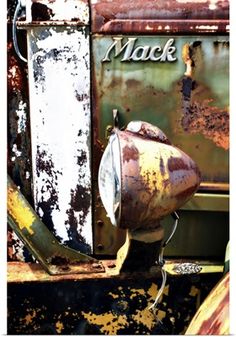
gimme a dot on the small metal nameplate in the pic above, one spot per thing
(130, 51)
(187, 268)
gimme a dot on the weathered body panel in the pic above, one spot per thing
(102, 306)
(60, 128)
(212, 318)
(163, 16)
(68, 140)
(199, 125)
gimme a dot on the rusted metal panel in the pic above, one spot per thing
(22, 272)
(59, 77)
(165, 26)
(154, 17)
(53, 256)
(212, 318)
(156, 92)
(105, 306)
(19, 146)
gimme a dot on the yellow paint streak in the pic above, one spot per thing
(161, 314)
(194, 291)
(149, 164)
(19, 211)
(29, 317)
(166, 290)
(110, 324)
(113, 295)
(152, 291)
(138, 291)
(144, 317)
(59, 326)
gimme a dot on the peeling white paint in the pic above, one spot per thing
(16, 151)
(64, 10)
(40, 212)
(67, 10)
(22, 118)
(18, 248)
(59, 77)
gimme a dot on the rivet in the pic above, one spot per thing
(100, 223)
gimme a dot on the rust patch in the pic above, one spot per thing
(162, 167)
(165, 26)
(80, 202)
(132, 83)
(19, 147)
(130, 153)
(208, 120)
(81, 97)
(175, 164)
(162, 16)
(40, 12)
(45, 164)
(187, 192)
(15, 75)
(82, 158)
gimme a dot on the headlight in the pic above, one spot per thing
(142, 177)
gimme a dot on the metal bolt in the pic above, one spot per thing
(64, 268)
(111, 265)
(100, 246)
(100, 223)
(96, 266)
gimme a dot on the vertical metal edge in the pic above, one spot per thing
(74, 215)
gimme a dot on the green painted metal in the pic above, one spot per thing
(208, 202)
(53, 256)
(151, 91)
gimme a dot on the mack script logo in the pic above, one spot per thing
(129, 52)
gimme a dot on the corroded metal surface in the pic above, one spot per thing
(22, 272)
(19, 146)
(155, 174)
(105, 306)
(54, 257)
(212, 318)
(165, 26)
(43, 10)
(151, 177)
(153, 92)
(154, 17)
(59, 77)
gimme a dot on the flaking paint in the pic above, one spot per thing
(73, 10)
(18, 210)
(59, 77)
(110, 322)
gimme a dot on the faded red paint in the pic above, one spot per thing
(159, 16)
(130, 153)
(175, 164)
(15, 76)
(150, 193)
(212, 317)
